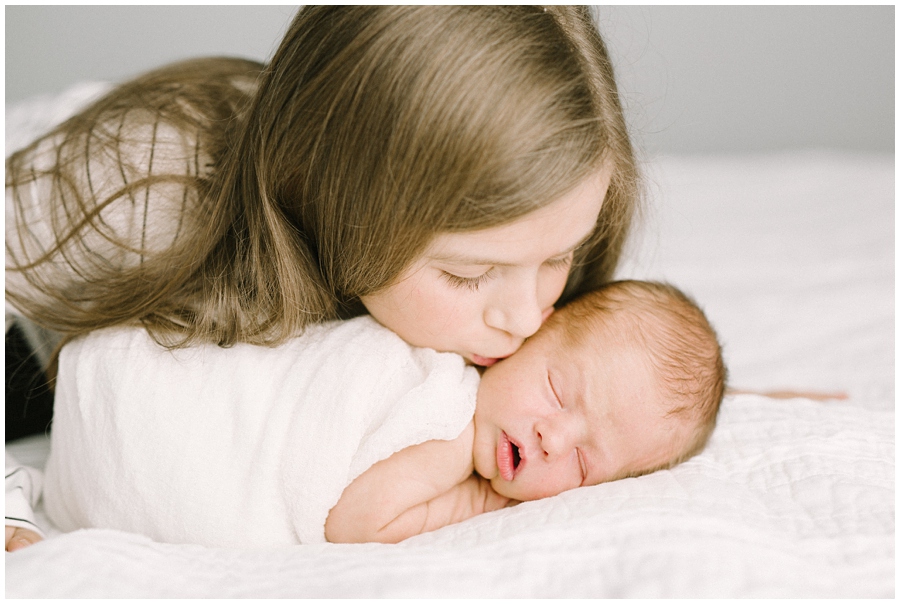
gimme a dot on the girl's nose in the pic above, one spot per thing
(518, 313)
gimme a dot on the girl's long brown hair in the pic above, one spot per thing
(227, 201)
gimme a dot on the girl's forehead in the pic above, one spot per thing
(552, 230)
(509, 245)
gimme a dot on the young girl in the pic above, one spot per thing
(453, 171)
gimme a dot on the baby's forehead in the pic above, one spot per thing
(578, 327)
(618, 349)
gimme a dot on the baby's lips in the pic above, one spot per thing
(505, 458)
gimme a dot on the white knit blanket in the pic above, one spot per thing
(246, 446)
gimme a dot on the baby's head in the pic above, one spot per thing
(623, 381)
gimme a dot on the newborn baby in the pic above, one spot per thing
(347, 433)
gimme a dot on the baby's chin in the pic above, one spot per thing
(501, 487)
(521, 492)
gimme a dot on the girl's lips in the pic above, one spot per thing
(508, 459)
(483, 361)
(486, 361)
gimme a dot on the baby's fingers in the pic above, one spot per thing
(17, 538)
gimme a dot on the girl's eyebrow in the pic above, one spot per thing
(480, 260)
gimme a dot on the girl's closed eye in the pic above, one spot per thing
(470, 283)
(473, 283)
(562, 262)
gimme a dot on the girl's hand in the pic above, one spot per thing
(17, 538)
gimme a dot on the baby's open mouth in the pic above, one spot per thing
(509, 457)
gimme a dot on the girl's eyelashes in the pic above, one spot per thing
(469, 283)
(561, 263)
(473, 283)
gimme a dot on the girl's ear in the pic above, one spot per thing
(547, 314)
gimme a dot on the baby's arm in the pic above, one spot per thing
(416, 490)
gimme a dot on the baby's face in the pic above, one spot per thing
(553, 417)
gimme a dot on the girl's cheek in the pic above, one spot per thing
(552, 288)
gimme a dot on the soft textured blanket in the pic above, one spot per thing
(247, 446)
(792, 257)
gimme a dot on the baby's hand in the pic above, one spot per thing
(17, 538)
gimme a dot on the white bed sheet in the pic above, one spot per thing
(792, 256)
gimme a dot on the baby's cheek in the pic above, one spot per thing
(550, 485)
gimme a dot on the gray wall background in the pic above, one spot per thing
(701, 79)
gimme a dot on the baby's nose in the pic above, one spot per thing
(557, 438)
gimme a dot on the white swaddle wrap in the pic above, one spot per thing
(239, 447)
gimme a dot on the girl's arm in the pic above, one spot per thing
(416, 490)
